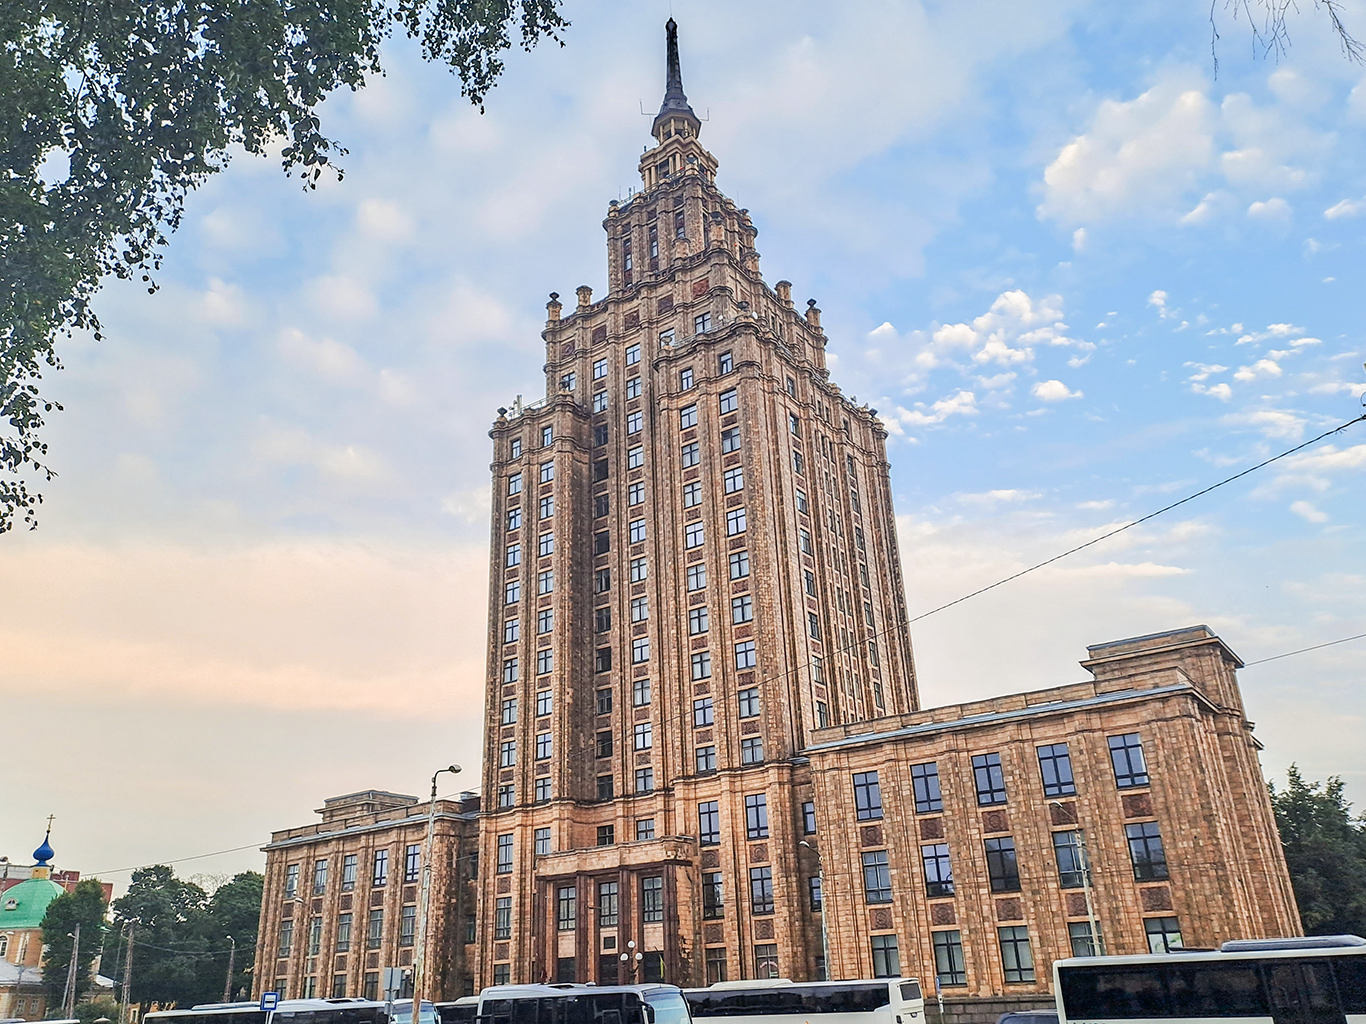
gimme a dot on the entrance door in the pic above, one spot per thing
(1302, 992)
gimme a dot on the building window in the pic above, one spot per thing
(602, 581)
(541, 842)
(1071, 860)
(600, 470)
(949, 965)
(1126, 754)
(545, 582)
(514, 519)
(938, 870)
(729, 401)
(822, 715)
(545, 702)
(701, 323)
(697, 621)
(604, 702)
(741, 609)
(412, 862)
(510, 670)
(635, 457)
(685, 377)
(735, 522)
(652, 899)
(766, 960)
(633, 387)
(990, 781)
(632, 355)
(691, 455)
(286, 942)
(867, 796)
(813, 625)
(644, 736)
(374, 935)
(547, 436)
(567, 908)
(343, 942)
(515, 483)
(692, 494)
(515, 448)
(1001, 865)
(687, 416)
(319, 877)
(600, 435)
(600, 402)
(645, 780)
(512, 631)
(701, 665)
(877, 877)
(507, 753)
(761, 890)
(734, 479)
(709, 823)
(804, 542)
(348, 872)
(604, 743)
(747, 701)
(512, 592)
(798, 463)
(543, 745)
(1164, 934)
(639, 570)
(756, 816)
(925, 780)
(635, 495)
(607, 904)
(602, 659)
(702, 712)
(640, 650)
(607, 835)
(752, 750)
(407, 926)
(547, 472)
(744, 654)
(545, 661)
(637, 530)
(543, 789)
(645, 828)
(505, 854)
(502, 973)
(713, 896)
(1083, 942)
(809, 581)
(705, 758)
(545, 620)
(725, 362)
(1145, 850)
(606, 788)
(1016, 957)
(380, 874)
(546, 545)
(730, 440)
(502, 917)
(1055, 764)
(697, 577)
(739, 565)
(886, 957)
(547, 507)
(514, 555)
(599, 369)
(813, 889)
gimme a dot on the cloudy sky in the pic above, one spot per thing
(1079, 274)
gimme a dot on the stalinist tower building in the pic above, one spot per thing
(694, 567)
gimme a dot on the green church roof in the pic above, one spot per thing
(24, 905)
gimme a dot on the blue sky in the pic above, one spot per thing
(1078, 274)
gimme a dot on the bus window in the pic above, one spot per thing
(1351, 975)
(1216, 990)
(669, 1007)
(1096, 993)
(910, 991)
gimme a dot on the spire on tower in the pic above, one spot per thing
(674, 112)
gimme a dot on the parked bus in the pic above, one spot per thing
(298, 1011)
(780, 1001)
(462, 1011)
(582, 1004)
(1314, 979)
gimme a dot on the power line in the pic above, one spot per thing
(179, 860)
(1302, 650)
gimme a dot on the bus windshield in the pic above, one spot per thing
(669, 1007)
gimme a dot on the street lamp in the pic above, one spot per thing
(631, 959)
(820, 880)
(424, 900)
(1096, 945)
(296, 941)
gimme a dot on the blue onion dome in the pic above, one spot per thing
(45, 852)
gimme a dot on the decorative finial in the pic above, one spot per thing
(675, 106)
(45, 852)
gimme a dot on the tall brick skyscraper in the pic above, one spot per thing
(694, 565)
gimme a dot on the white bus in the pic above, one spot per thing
(1315, 979)
(582, 1004)
(298, 1011)
(781, 1001)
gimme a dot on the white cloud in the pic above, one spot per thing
(1005, 335)
(1308, 511)
(329, 359)
(1345, 208)
(1273, 209)
(384, 220)
(1280, 424)
(1220, 391)
(1053, 391)
(962, 403)
(1135, 156)
(1008, 496)
(1261, 368)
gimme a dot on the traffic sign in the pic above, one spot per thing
(269, 1001)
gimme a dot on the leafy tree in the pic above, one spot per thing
(84, 906)
(112, 111)
(93, 1009)
(234, 910)
(1325, 851)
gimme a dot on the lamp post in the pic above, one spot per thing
(424, 898)
(1091, 922)
(296, 941)
(631, 960)
(820, 880)
(232, 963)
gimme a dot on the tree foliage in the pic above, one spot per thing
(84, 906)
(1325, 851)
(112, 111)
(181, 935)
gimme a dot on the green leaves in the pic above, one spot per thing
(84, 906)
(144, 99)
(1325, 851)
